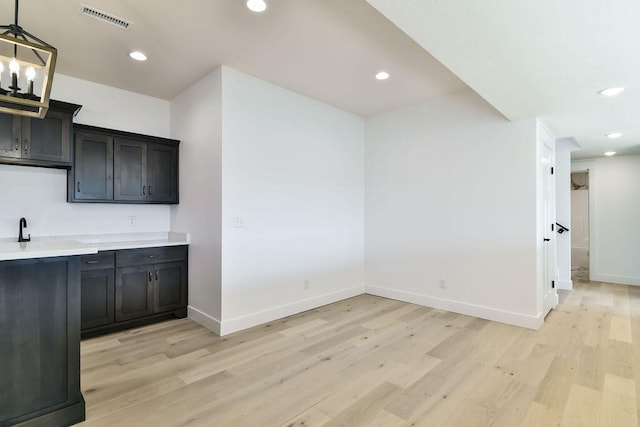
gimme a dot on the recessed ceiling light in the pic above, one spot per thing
(614, 135)
(611, 91)
(138, 56)
(382, 75)
(256, 5)
(609, 153)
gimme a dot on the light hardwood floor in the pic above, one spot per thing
(370, 361)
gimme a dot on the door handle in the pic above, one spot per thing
(545, 239)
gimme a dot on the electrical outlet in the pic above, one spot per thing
(306, 284)
(131, 220)
(443, 284)
(238, 222)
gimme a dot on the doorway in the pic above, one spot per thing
(580, 226)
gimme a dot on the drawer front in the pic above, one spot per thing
(98, 261)
(150, 255)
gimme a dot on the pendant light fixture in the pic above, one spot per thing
(27, 65)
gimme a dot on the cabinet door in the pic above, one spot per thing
(47, 139)
(163, 173)
(93, 170)
(97, 290)
(170, 290)
(130, 166)
(10, 141)
(134, 292)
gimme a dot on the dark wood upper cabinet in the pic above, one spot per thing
(120, 167)
(130, 167)
(9, 143)
(162, 172)
(93, 172)
(38, 142)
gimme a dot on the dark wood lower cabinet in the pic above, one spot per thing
(169, 290)
(40, 342)
(143, 286)
(98, 287)
(134, 292)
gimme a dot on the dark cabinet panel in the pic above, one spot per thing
(40, 342)
(163, 173)
(47, 139)
(10, 136)
(150, 256)
(144, 168)
(93, 171)
(98, 295)
(134, 292)
(38, 142)
(99, 261)
(130, 165)
(170, 292)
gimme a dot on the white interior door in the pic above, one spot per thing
(549, 233)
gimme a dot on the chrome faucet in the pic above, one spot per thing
(23, 224)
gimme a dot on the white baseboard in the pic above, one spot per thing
(204, 319)
(258, 318)
(567, 285)
(613, 278)
(511, 318)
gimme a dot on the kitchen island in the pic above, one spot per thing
(40, 342)
(40, 322)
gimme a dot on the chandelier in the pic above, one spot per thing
(27, 65)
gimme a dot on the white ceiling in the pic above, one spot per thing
(329, 50)
(543, 58)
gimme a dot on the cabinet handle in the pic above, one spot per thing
(156, 275)
(144, 190)
(17, 144)
(150, 190)
(150, 278)
(153, 256)
(78, 186)
(93, 261)
(26, 146)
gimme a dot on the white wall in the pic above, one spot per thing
(108, 107)
(564, 147)
(195, 120)
(451, 194)
(39, 194)
(614, 209)
(293, 170)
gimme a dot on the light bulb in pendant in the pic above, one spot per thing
(30, 73)
(14, 67)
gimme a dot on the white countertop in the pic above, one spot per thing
(52, 246)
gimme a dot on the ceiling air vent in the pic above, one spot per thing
(104, 17)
